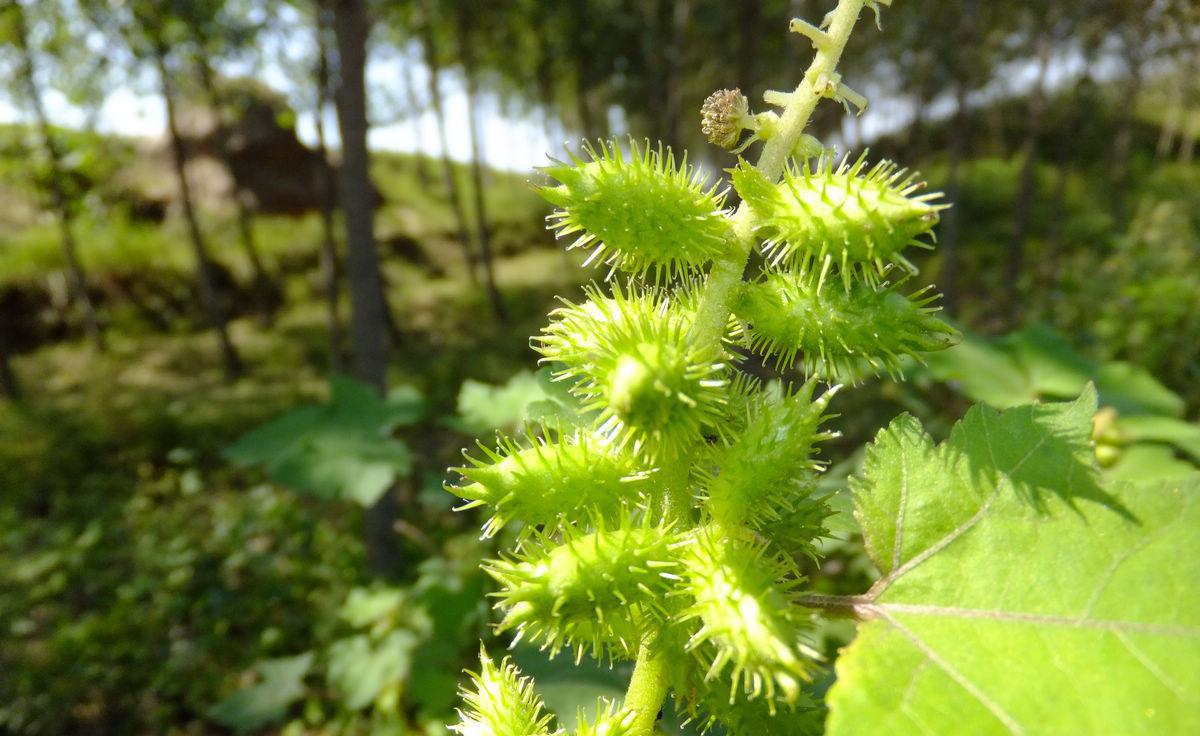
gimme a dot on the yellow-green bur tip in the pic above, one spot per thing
(500, 702)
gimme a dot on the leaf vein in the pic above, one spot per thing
(961, 680)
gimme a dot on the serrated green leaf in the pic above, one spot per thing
(281, 684)
(1018, 596)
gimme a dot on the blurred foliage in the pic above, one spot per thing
(340, 450)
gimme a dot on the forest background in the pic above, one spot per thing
(267, 265)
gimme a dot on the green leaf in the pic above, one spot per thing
(281, 684)
(1149, 428)
(364, 607)
(1149, 462)
(360, 669)
(1018, 596)
(1131, 390)
(483, 407)
(1054, 368)
(340, 450)
(983, 372)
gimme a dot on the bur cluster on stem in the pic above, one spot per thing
(665, 526)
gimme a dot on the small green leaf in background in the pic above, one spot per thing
(483, 407)
(1131, 390)
(281, 683)
(361, 669)
(1017, 596)
(1150, 428)
(340, 450)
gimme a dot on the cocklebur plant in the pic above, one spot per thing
(666, 526)
(648, 532)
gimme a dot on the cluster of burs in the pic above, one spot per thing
(667, 519)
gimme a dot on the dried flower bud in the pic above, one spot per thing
(723, 116)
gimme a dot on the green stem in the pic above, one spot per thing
(727, 272)
(647, 688)
(650, 682)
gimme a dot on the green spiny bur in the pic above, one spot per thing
(610, 720)
(500, 702)
(640, 212)
(838, 332)
(631, 361)
(740, 593)
(711, 707)
(547, 480)
(769, 466)
(588, 591)
(839, 214)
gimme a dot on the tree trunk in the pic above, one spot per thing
(481, 218)
(62, 205)
(583, 59)
(209, 298)
(1028, 179)
(368, 321)
(330, 267)
(435, 97)
(680, 19)
(1123, 138)
(264, 289)
(8, 379)
(368, 331)
(414, 111)
(948, 277)
(748, 43)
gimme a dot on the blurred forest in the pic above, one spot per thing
(235, 361)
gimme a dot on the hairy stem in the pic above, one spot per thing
(647, 688)
(727, 272)
(649, 684)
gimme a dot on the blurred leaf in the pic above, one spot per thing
(1053, 366)
(257, 706)
(569, 688)
(1148, 462)
(364, 607)
(341, 450)
(1148, 428)
(361, 669)
(1131, 390)
(483, 407)
(982, 372)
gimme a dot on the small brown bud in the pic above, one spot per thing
(723, 116)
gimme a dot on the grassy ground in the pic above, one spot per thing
(147, 573)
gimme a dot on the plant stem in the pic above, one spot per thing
(727, 272)
(647, 688)
(649, 684)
